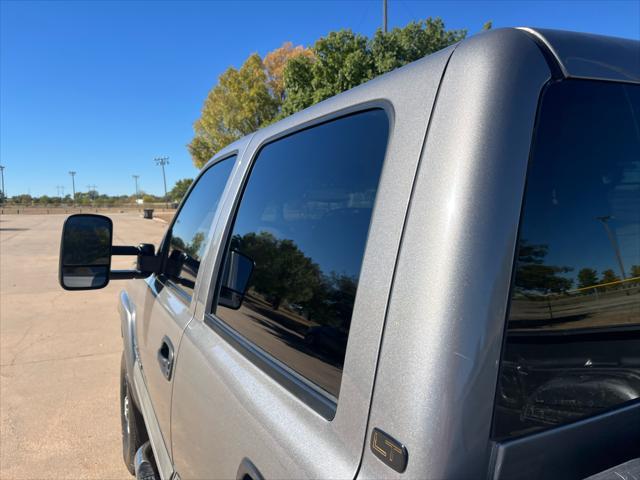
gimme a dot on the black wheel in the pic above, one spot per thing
(134, 433)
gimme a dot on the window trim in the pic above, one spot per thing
(249, 156)
(163, 249)
(316, 398)
(600, 429)
(321, 401)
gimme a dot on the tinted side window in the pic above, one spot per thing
(303, 221)
(573, 333)
(189, 235)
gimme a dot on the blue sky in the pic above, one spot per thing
(104, 87)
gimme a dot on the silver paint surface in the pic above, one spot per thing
(435, 383)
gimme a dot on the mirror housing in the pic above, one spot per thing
(85, 252)
(235, 279)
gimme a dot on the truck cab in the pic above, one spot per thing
(435, 274)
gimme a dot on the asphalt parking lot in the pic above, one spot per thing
(59, 356)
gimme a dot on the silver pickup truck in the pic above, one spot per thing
(433, 275)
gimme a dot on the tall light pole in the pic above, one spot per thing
(384, 16)
(162, 161)
(73, 185)
(4, 194)
(614, 243)
(135, 178)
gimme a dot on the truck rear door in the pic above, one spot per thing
(279, 385)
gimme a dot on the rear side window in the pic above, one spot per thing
(303, 221)
(573, 334)
(190, 230)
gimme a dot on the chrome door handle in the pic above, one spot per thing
(165, 357)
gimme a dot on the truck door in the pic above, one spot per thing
(164, 300)
(302, 222)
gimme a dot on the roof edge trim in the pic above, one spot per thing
(552, 56)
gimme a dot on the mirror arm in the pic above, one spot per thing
(124, 250)
(147, 262)
(127, 274)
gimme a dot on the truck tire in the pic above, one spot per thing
(134, 433)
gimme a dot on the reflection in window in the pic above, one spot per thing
(189, 234)
(573, 336)
(303, 222)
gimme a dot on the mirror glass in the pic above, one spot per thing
(85, 255)
(235, 278)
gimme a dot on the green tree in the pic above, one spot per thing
(297, 78)
(147, 198)
(239, 104)
(587, 277)
(282, 270)
(635, 271)
(404, 45)
(194, 248)
(343, 60)
(609, 276)
(23, 199)
(180, 189)
(533, 274)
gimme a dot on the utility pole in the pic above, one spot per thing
(73, 185)
(4, 194)
(614, 243)
(384, 16)
(91, 190)
(135, 178)
(162, 161)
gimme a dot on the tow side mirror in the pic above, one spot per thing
(235, 279)
(85, 252)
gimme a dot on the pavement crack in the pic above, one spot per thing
(24, 335)
(87, 355)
